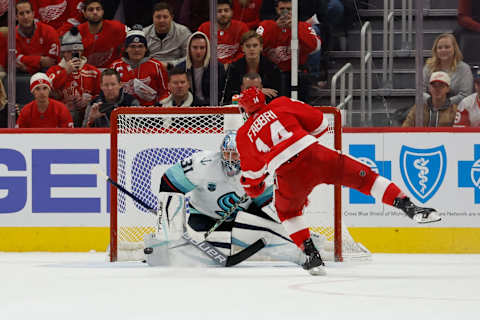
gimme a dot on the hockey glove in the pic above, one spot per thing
(256, 190)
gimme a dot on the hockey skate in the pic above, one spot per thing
(416, 213)
(313, 262)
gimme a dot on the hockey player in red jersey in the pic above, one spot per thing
(229, 33)
(62, 15)
(36, 42)
(143, 77)
(103, 39)
(280, 139)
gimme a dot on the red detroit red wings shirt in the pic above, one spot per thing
(275, 134)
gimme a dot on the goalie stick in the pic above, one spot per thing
(204, 246)
(228, 213)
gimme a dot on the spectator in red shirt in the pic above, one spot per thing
(143, 77)
(43, 112)
(229, 33)
(60, 14)
(37, 43)
(102, 39)
(75, 82)
(247, 11)
(277, 35)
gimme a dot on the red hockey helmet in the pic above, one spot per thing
(252, 99)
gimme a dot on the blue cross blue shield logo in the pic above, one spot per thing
(423, 170)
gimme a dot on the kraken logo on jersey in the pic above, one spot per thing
(225, 202)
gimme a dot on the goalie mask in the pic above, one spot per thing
(229, 154)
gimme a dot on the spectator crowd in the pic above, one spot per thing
(89, 57)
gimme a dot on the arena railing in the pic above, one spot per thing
(346, 93)
(366, 71)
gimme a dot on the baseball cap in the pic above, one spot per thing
(440, 76)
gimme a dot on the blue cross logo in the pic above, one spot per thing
(366, 154)
(469, 173)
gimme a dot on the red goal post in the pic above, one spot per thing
(144, 138)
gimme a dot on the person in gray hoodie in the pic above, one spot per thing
(197, 65)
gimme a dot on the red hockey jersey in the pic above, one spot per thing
(60, 14)
(83, 83)
(276, 43)
(44, 42)
(249, 14)
(228, 40)
(274, 134)
(56, 116)
(148, 82)
(468, 112)
(103, 48)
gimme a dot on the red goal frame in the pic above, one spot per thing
(209, 110)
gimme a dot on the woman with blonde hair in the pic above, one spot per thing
(446, 57)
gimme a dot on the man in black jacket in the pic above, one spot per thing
(111, 96)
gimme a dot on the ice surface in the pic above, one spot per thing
(84, 286)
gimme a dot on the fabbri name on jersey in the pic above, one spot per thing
(261, 121)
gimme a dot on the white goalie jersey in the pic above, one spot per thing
(211, 192)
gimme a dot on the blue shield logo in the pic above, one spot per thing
(423, 170)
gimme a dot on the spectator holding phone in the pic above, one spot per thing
(75, 82)
(111, 96)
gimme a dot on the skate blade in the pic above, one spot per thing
(432, 217)
(318, 271)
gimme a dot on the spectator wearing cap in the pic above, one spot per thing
(102, 39)
(36, 42)
(142, 76)
(469, 109)
(74, 81)
(43, 112)
(446, 57)
(438, 111)
(166, 39)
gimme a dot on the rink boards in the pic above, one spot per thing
(51, 199)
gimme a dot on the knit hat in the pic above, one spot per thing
(72, 40)
(136, 35)
(440, 76)
(39, 79)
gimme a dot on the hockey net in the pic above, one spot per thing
(147, 141)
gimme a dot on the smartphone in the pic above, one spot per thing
(284, 12)
(106, 107)
(76, 55)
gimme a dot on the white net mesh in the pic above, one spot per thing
(149, 143)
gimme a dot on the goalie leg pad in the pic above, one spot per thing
(248, 228)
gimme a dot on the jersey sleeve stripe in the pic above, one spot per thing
(289, 152)
(255, 174)
(321, 129)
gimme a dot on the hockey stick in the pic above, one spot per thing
(208, 249)
(230, 211)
